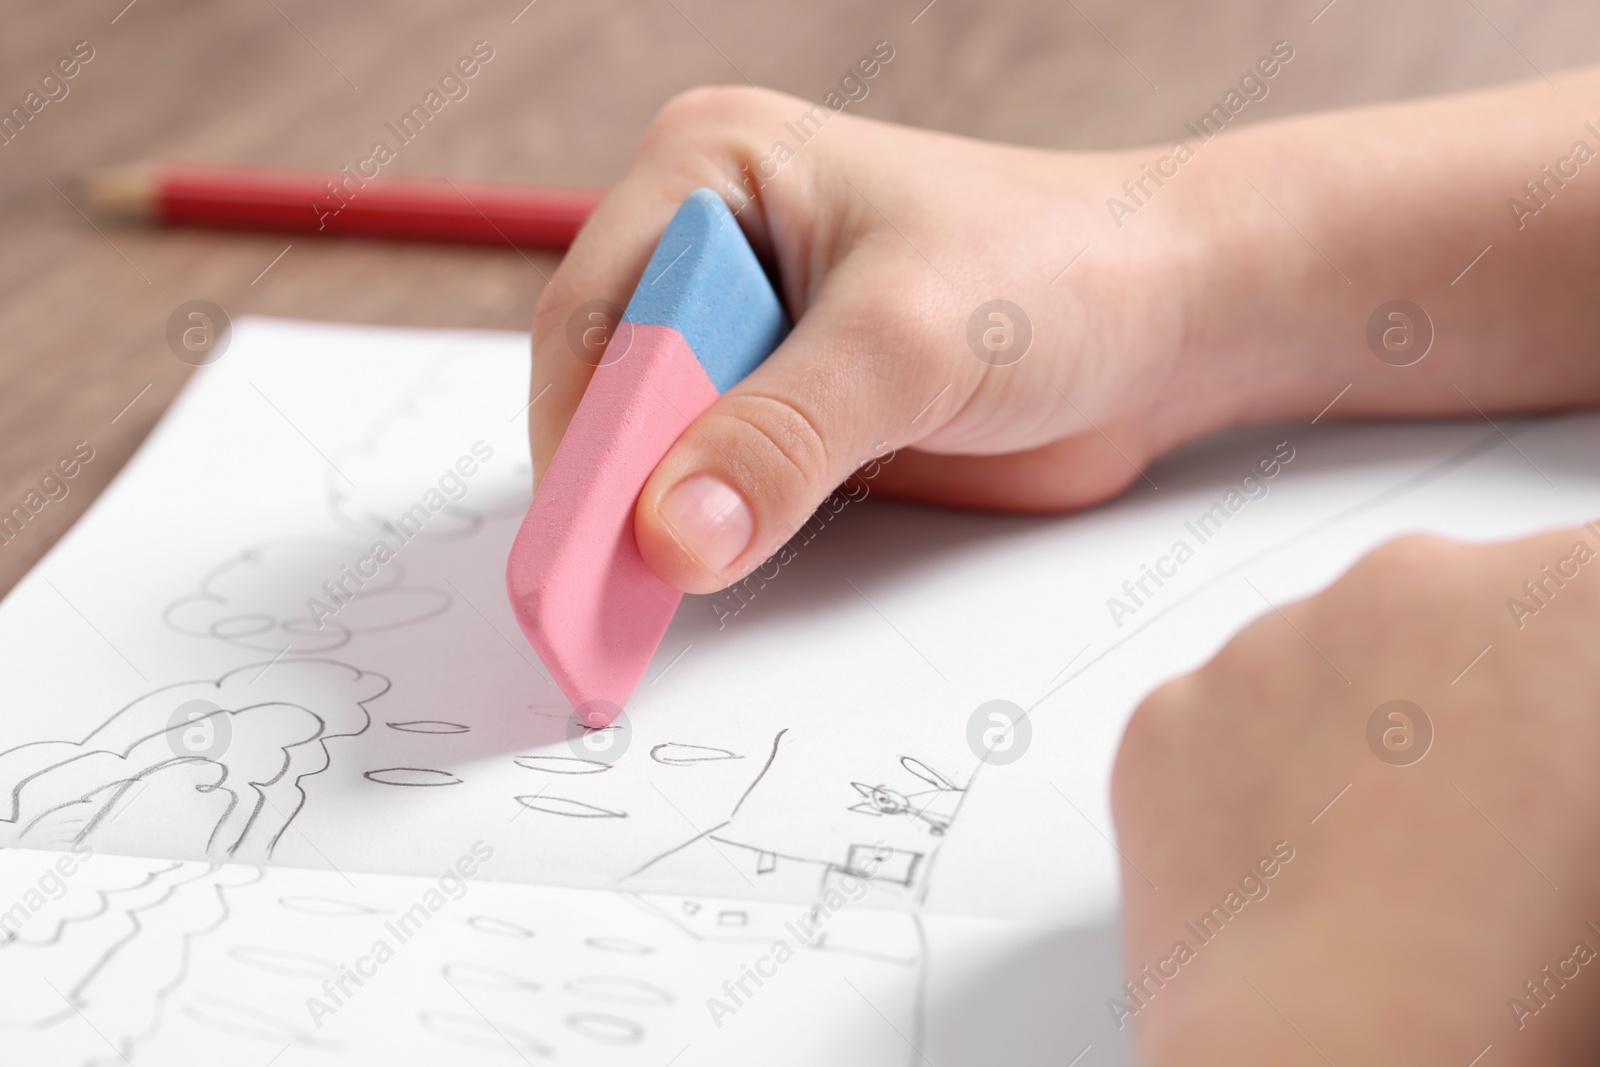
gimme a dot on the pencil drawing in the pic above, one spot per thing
(488, 924)
(619, 989)
(233, 779)
(606, 1029)
(412, 777)
(298, 596)
(572, 809)
(428, 726)
(678, 754)
(562, 764)
(481, 1032)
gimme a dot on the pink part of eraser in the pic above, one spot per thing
(587, 602)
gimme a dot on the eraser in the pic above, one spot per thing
(702, 318)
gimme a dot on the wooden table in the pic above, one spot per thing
(84, 304)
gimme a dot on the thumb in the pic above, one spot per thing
(747, 473)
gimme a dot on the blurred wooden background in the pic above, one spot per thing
(308, 83)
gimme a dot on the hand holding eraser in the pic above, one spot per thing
(703, 317)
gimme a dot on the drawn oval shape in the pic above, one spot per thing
(429, 726)
(411, 776)
(236, 626)
(328, 907)
(488, 924)
(677, 754)
(472, 1030)
(622, 990)
(285, 961)
(561, 764)
(473, 974)
(246, 1021)
(606, 1029)
(572, 809)
(620, 944)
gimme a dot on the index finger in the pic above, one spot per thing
(691, 144)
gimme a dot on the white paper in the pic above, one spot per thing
(153, 961)
(820, 732)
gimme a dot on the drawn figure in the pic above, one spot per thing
(763, 846)
(114, 946)
(226, 761)
(303, 597)
(933, 807)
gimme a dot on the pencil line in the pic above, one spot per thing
(1502, 433)
(706, 835)
(1451, 463)
(1070, 662)
(310, 843)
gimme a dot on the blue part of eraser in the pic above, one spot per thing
(705, 282)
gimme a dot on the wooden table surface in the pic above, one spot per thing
(83, 310)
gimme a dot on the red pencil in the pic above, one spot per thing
(343, 204)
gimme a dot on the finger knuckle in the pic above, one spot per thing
(1150, 741)
(782, 431)
(1385, 589)
(708, 107)
(1413, 555)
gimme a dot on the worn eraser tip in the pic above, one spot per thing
(702, 318)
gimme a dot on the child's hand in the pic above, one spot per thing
(887, 241)
(1256, 280)
(1441, 859)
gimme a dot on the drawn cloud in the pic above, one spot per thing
(230, 792)
(260, 598)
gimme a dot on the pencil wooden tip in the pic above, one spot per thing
(126, 192)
